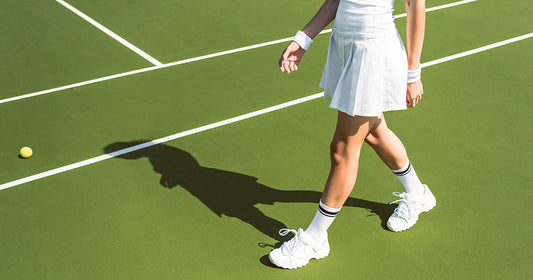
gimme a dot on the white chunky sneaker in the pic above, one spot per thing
(298, 251)
(406, 214)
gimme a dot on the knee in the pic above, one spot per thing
(342, 153)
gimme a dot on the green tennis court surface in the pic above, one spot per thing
(208, 205)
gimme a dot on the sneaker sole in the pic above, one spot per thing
(409, 225)
(319, 255)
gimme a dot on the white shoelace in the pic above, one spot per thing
(407, 208)
(288, 247)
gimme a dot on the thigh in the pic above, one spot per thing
(351, 131)
(377, 131)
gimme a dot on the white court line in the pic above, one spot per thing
(203, 57)
(484, 48)
(446, 6)
(158, 141)
(231, 120)
(111, 33)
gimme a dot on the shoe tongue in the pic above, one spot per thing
(412, 196)
(309, 239)
(303, 235)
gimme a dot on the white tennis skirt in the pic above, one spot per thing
(366, 76)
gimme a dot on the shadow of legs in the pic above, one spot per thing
(267, 225)
(383, 210)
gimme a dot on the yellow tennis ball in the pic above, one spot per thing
(26, 152)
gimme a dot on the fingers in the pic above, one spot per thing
(290, 58)
(414, 93)
(412, 101)
(409, 102)
(293, 66)
(288, 66)
(285, 66)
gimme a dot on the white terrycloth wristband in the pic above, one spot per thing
(303, 40)
(414, 75)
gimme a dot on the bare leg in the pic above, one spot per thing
(391, 150)
(345, 150)
(417, 197)
(387, 145)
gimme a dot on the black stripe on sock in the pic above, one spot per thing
(327, 215)
(326, 212)
(402, 173)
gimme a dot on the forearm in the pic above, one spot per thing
(416, 21)
(322, 18)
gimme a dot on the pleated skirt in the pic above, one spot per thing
(365, 76)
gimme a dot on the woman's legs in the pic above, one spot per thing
(345, 150)
(391, 150)
(417, 197)
(387, 145)
(349, 136)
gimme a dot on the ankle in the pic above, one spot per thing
(318, 229)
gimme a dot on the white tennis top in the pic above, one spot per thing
(364, 18)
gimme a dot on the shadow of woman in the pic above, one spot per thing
(229, 193)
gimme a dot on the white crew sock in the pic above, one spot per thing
(323, 219)
(409, 179)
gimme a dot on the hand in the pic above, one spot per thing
(291, 57)
(414, 93)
